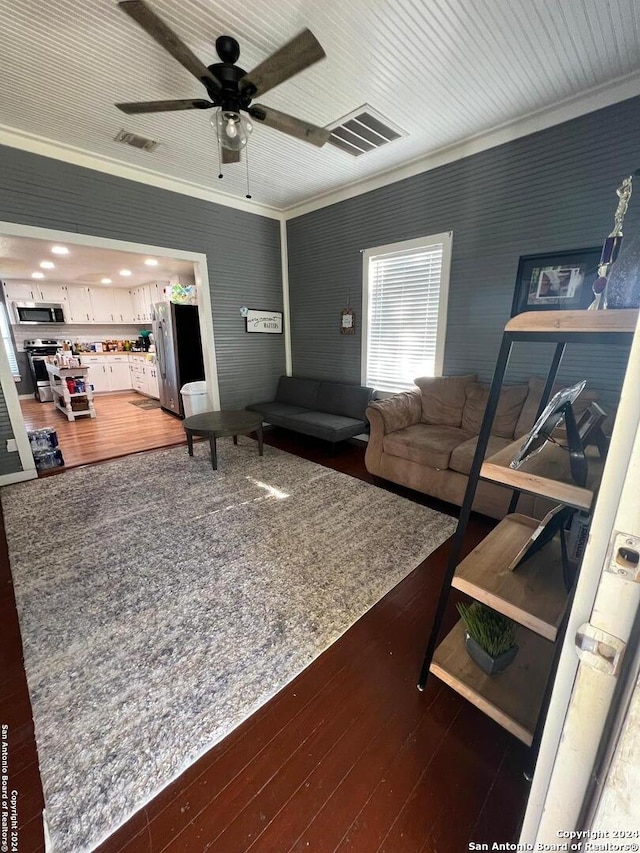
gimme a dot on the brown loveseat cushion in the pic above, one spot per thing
(443, 398)
(510, 405)
(425, 444)
(462, 456)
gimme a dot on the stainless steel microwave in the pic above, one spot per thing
(38, 312)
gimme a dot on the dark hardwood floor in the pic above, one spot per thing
(348, 757)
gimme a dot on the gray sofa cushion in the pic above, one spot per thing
(277, 410)
(325, 425)
(341, 399)
(298, 392)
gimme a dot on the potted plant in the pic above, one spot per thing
(490, 637)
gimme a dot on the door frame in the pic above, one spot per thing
(201, 273)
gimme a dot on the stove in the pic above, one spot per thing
(36, 351)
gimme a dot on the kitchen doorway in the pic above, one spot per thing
(90, 365)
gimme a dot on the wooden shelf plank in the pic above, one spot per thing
(546, 474)
(621, 320)
(512, 698)
(533, 594)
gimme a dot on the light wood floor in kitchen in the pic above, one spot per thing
(118, 429)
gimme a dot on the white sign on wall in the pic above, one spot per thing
(264, 321)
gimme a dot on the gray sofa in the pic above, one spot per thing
(333, 411)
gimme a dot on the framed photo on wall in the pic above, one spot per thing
(559, 281)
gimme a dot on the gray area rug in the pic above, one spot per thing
(162, 603)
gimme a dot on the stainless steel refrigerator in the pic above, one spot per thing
(176, 332)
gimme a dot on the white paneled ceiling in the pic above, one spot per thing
(442, 70)
(22, 256)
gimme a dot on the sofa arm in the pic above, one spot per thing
(386, 416)
(397, 412)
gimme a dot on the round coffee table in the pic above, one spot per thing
(217, 424)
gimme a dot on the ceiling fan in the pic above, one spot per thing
(231, 89)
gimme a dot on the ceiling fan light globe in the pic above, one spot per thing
(233, 129)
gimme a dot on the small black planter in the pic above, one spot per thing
(484, 660)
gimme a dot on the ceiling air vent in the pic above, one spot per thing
(137, 141)
(363, 130)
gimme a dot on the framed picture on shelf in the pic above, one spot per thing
(555, 281)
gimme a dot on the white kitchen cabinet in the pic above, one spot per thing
(79, 302)
(97, 376)
(102, 304)
(54, 293)
(147, 303)
(19, 292)
(138, 304)
(118, 375)
(108, 372)
(153, 389)
(123, 303)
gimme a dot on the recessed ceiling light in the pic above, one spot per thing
(105, 280)
(125, 272)
(47, 265)
(59, 250)
(37, 275)
(151, 262)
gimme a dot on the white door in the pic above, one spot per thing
(123, 306)
(98, 376)
(119, 376)
(153, 389)
(79, 305)
(146, 303)
(102, 304)
(138, 305)
(580, 727)
(52, 293)
(20, 292)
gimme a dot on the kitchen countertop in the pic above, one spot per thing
(118, 352)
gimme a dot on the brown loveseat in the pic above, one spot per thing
(426, 438)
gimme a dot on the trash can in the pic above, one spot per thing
(194, 398)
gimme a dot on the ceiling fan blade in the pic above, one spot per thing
(162, 106)
(288, 124)
(166, 38)
(230, 156)
(298, 54)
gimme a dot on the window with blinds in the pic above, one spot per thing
(405, 292)
(5, 331)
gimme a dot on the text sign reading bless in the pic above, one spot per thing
(264, 321)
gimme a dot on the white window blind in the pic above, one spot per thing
(404, 328)
(8, 343)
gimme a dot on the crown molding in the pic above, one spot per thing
(35, 144)
(594, 99)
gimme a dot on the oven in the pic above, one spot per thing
(37, 352)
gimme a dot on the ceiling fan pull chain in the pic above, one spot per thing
(246, 160)
(218, 147)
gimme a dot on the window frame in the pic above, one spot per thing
(445, 238)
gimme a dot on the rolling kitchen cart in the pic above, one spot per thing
(73, 405)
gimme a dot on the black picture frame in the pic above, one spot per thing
(556, 281)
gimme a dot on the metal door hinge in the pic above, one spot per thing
(599, 650)
(624, 556)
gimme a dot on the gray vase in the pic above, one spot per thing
(489, 664)
(623, 286)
